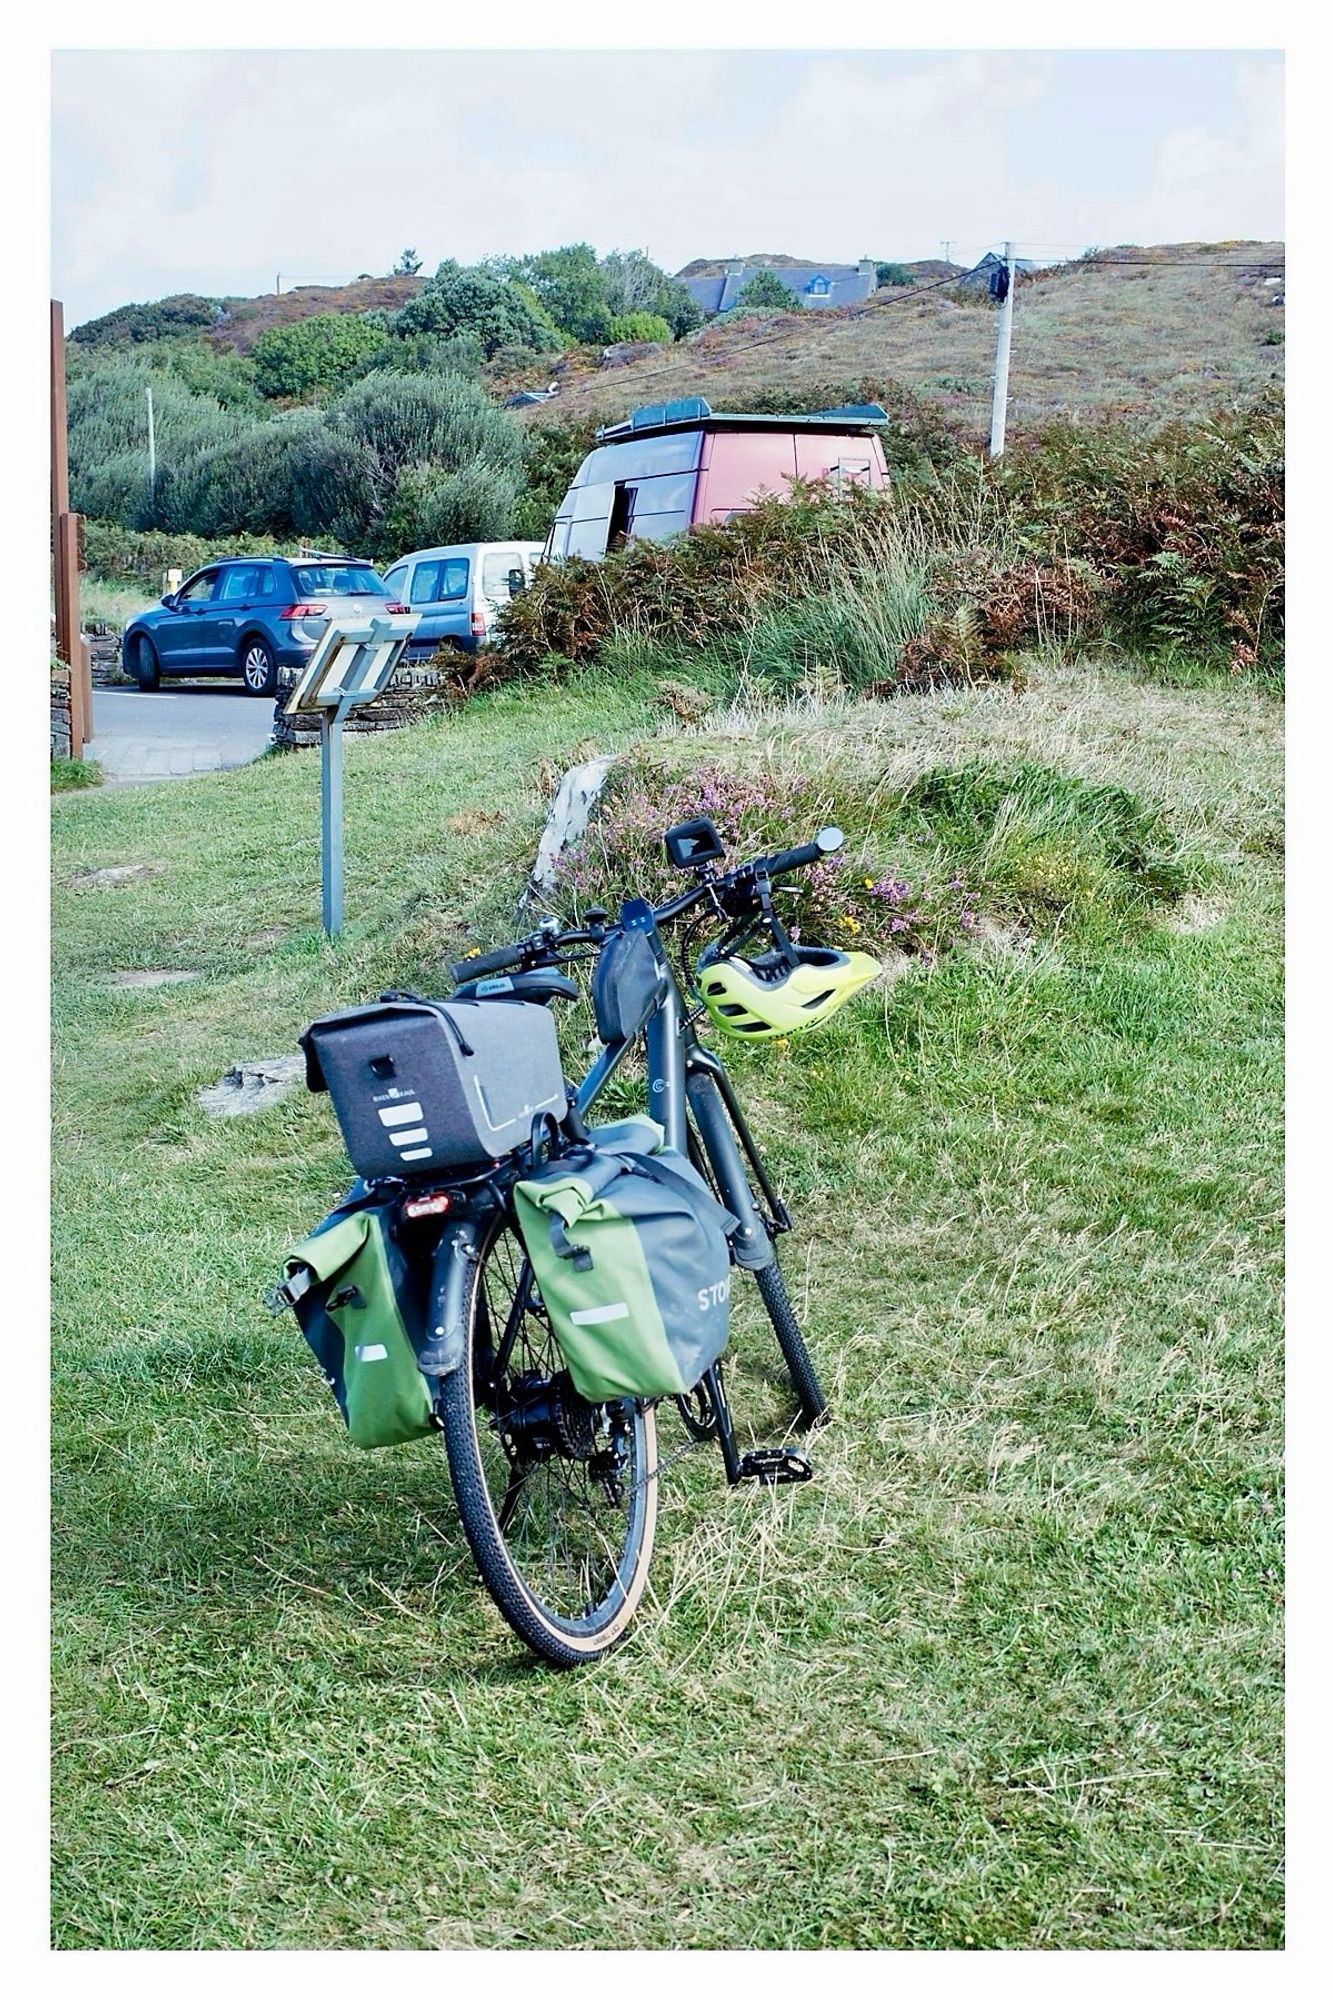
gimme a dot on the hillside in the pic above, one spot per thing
(248, 318)
(1179, 328)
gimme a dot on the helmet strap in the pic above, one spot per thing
(774, 922)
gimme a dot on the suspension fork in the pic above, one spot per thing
(700, 1061)
(752, 1245)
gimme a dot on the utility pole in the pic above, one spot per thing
(999, 409)
(944, 245)
(152, 452)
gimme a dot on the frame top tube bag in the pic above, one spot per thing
(630, 1253)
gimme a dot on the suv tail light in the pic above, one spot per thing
(479, 624)
(303, 611)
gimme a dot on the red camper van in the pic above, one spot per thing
(672, 464)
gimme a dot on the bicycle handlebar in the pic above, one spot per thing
(549, 940)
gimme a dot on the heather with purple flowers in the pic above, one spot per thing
(854, 900)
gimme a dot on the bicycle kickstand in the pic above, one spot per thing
(769, 1465)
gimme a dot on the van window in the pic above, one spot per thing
(495, 567)
(397, 578)
(440, 582)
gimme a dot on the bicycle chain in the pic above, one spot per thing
(665, 1464)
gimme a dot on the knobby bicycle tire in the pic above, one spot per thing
(472, 1444)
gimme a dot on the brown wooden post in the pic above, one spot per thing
(65, 550)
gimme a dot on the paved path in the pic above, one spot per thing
(176, 732)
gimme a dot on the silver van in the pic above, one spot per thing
(460, 590)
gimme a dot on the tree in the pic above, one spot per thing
(479, 302)
(766, 289)
(408, 264)
(892, 274)
(326, 351)
(635, 284)
(569, 287)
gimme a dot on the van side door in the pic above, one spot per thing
(440, 591)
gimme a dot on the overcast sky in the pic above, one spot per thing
(213, 172)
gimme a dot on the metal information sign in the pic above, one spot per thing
(350, 664)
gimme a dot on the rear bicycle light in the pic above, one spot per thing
(303, 611)
(428, 1204)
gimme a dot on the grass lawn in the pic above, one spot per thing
(1007, 1674)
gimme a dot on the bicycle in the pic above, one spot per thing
(558, 1498)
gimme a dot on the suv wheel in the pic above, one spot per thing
(259, 669)
(143, 665)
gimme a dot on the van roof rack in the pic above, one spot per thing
(692, 411)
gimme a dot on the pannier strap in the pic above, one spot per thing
(563, 1247)
(293, 1287)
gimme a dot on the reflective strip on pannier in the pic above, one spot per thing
(630, 1253)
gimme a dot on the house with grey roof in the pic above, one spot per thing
(982, 273)
(816, 285)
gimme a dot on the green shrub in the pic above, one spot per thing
(766, 288)
(639, 326)
(129, 326)
(430, 354)
(432, 507)
(893, 274)
(108, 435)
(326, 351)
(568, 286)
(120, 554)
(477, 302)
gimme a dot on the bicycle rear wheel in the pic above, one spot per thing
(558, 1497)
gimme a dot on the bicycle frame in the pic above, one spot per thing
(685, 1078)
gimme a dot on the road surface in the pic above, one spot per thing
(175, 732)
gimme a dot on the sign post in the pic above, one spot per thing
(350, 665)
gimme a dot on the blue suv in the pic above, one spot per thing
(248, 617)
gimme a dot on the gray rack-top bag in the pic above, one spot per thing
(424, 1086)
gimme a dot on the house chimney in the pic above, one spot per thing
(867, 267)
(734, 266)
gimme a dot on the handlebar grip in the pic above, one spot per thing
(827, 841)
(500, 960)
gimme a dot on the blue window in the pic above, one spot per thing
(818, 288)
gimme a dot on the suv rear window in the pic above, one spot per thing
(339, 580)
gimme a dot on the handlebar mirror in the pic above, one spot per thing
(829, 839)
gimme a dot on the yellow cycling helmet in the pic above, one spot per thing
(772, 996)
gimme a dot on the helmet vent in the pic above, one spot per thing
(819, 999)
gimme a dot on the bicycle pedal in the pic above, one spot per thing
(777, 1465)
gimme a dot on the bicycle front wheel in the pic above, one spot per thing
(558, 1497)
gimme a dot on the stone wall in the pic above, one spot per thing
(413, 694)
(60, 717)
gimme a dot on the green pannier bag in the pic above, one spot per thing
(361, 1307)
(629, 1250)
